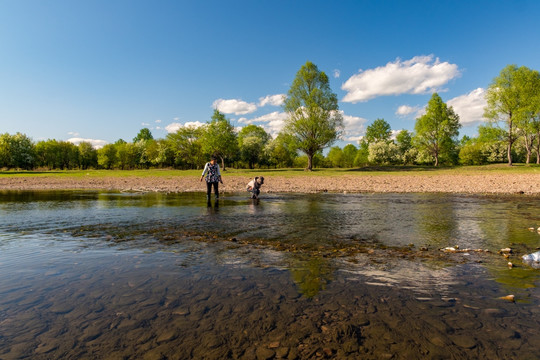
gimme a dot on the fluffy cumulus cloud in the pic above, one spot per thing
(419, 75)
(354, 127)
(97, 144)
(337, 73)
(406, 110)
(274, 100)
(469, 107)
(175, 126)
(234, 106)
(273, 123)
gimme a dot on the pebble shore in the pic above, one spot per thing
(524, 184)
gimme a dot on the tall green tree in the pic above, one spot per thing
(527, 120)
(336, 157)
(349, 154)
(406, 152)
(251, 142)
(186, 145)
(437, 130)
(144, 134)
(314, 121)
(16, 151)
(378, 131)
(219, 139)
(107, 156)
(87, 155)
(510, 97)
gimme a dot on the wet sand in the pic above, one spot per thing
(527, 184)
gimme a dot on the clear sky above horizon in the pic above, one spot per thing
(101, 70)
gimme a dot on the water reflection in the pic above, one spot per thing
(288, 276)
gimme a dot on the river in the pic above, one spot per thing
(101, 275)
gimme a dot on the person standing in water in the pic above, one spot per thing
(213, 177)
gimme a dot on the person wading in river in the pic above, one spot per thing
(254, 187)
(213, 177)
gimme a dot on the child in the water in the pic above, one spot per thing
(254, 187)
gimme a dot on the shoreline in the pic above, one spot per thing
(487, 184)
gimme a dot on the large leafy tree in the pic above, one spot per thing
(314, 121)
(378, 131)
(437, 130)
(251, 141)
(186, 144)
(510, 98)
(349, 154)
(16, 151)
(87, 155)
(219, 139)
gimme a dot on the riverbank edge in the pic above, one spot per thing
(480, 184)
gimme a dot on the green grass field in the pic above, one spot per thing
(365, 171)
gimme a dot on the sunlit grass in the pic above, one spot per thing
(364, 171)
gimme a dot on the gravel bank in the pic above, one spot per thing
(527, 184)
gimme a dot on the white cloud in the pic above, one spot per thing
(98, 144)
(470, 107)
(145, 124)
(158, 121)
(405, 110)
(354, 127)
(274, 100)
(337, 73)
(175, 126)
(234, 106)
(273, 123)
(419, 75)
(73, 133)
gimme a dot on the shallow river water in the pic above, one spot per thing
(96, 275)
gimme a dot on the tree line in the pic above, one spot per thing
(314, 123)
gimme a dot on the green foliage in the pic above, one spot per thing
(336, 157)
(513, 100)
(472, 154)
(186, 146)
(107, 156)
(219, 139)
(349, 154)
(406, 152)
(437, 131)
(362, 155)
(87, 156)
(16, 151)
(281, 151)
(252, 140)
(378, 131)
(314, 121)
(53, 154)
(143, 135)
(383, 153)
(127, 155)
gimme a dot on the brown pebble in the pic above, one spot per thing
(510, 298)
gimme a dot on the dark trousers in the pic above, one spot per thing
(209, 188)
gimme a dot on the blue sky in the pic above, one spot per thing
(101, 70)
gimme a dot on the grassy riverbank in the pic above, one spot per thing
(364, 171)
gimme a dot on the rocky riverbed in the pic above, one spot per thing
(527, 184)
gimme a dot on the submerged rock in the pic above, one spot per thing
(510, 298)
